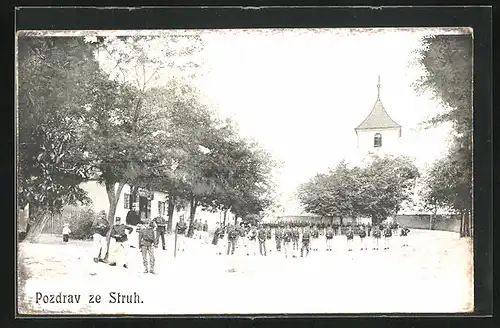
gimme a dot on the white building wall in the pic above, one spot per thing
(391, 141)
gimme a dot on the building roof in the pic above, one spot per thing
(378, 117)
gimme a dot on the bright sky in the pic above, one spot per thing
(300, 93)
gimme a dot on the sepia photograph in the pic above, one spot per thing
(244, 171)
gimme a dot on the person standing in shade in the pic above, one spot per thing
(65, 232)
(362, 237)
(295, 238)
(329, 238)
(147, 245)
(120, 238)
(252, 241)
(262, 236)
(205, 232)
(232, 239)
(287, 240)
(161, 228)
(350, 237)
(314, 237)
(306, 239)
(404, 234)
(387, 236)
(100, 228)
(133, 220)
(181, 228)
(376, 236)
(278, 236)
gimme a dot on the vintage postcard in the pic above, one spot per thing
(243, 171)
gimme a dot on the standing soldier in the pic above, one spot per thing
(362, 236)
(306, 238)
(100, 228)
(147, 244)
(315, 237)
(232, 238)
(350, 238)
(269, 233)
(215, 239)
(161, 225)
(252, 241)
(205, 232)
(369, 226)
(262, 236)
(119, 235)
(278, 236)
(376, 236)
(181, 228)
(404, 234)
(387, 236)
(287, 239)
(329, 238)
(295, 238)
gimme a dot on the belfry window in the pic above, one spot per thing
(377, 140)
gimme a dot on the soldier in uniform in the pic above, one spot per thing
(329, 238)
(387, 236)
(287, 240)
(278, 236)
(376, 236)
(404, 234)
(100, 228)
(252, 241)
(262, 236)
(306, 238)
(232, 238)
(295, 238)
(161, 225)
(147, 244)
(119, 237)
(315, 237)
(350, 238)
(362, 237)
(204, 228)
(181, 229)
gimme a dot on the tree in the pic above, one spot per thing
(50, 163)
(447, 60)
(375, 191)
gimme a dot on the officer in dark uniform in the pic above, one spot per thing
(278, 236)
(306, 239)
(161, 225)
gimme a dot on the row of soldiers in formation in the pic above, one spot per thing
(288, 235)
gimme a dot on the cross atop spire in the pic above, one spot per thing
(378, 88)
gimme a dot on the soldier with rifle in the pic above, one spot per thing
(161, 225)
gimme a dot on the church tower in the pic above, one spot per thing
(378, 133)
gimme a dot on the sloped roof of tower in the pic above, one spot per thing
(378, 117)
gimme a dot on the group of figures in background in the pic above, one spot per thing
(293, 238)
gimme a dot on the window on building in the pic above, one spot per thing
(161, 208)
(127, 201)
(377, 140)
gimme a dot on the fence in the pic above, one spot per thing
(440, 222)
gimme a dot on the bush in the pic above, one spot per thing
(80, 220)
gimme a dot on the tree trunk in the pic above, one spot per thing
(461, 224)
(467, 224)
(235, 220)
(35, 227)
(341, 220)
(170, 213)
(113, 197)
(225, 216)
(192, 211)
